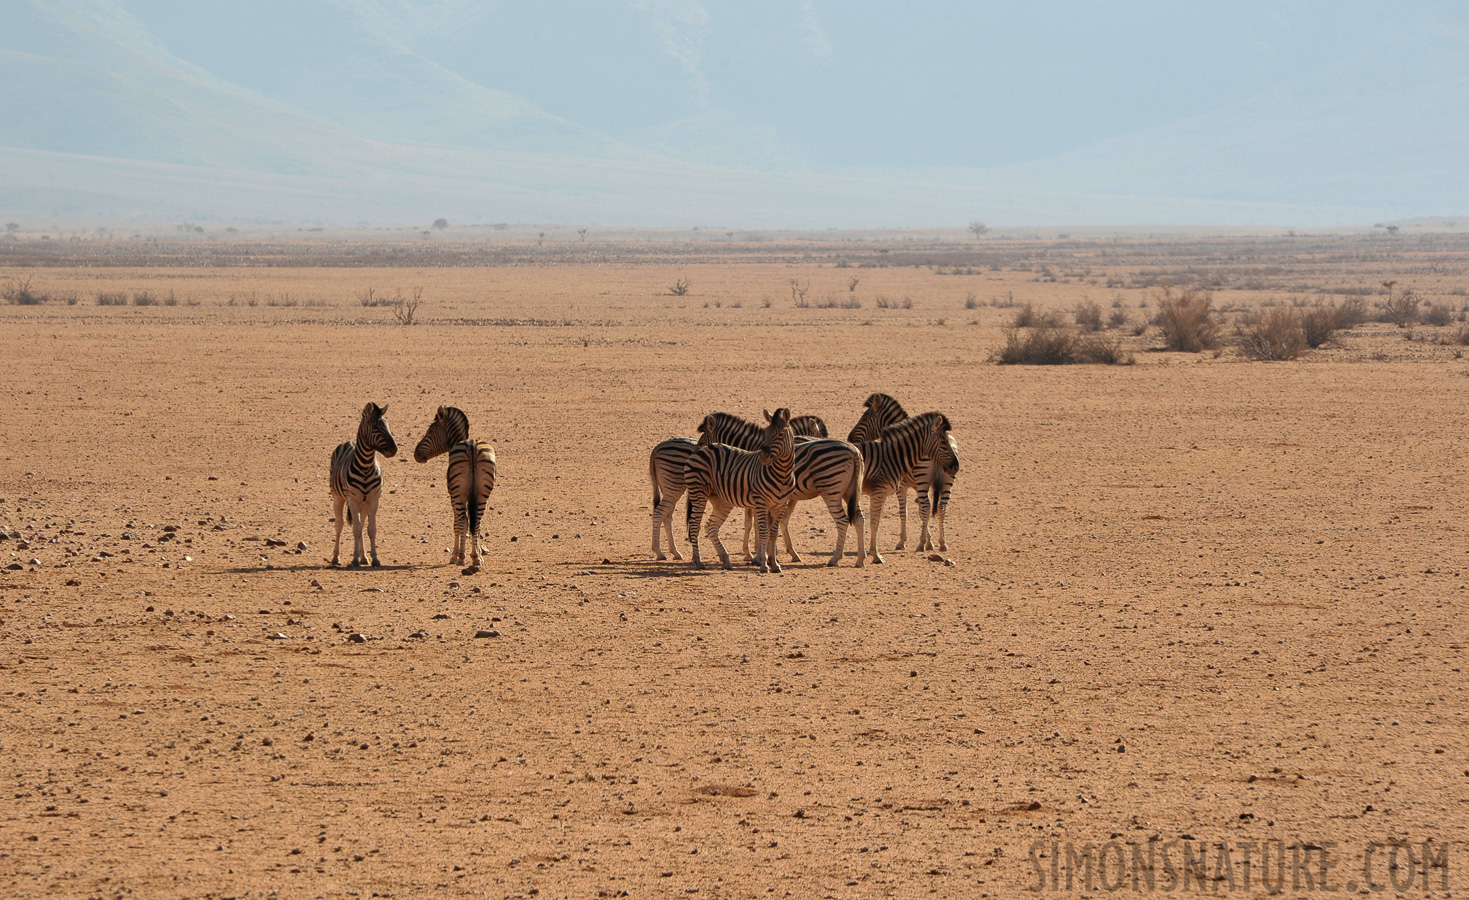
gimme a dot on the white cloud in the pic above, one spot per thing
(814, 38)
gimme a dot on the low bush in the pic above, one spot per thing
(1053, 345)
(1187, 320)
(1275, 334)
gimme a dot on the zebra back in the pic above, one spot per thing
(666, 464)
(728, 428)
(449, 427)
(880, 411)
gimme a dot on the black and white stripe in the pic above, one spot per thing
(941, 483)
(666, 464)
(470, 477)
(831, 470)
(357, 481)
(879, 412)
(901, 455)
(724, 477)
(665, 470)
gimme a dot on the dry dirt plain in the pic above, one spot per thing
(1195, 600)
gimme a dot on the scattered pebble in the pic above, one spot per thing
(300, 545)
(467, 570)
(486, 633)
(276, 637)
(419, 634)
(355, 638)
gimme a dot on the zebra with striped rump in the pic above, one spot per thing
(941, 479)
(725, 477)
(831, 470)
(357, 481)
(901, 456)
(667, 461)
(471, 476)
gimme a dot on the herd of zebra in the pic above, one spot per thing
(766, 469)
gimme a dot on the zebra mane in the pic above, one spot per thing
(809, 426)
(879, 411)
(917, 423)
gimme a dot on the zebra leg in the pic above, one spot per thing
(339, 503)
(749, 521)
(371, 507)
(925, 541)
(663, 519)
(696, 513)
(785, 531)
(874, 517)
(902, 518)
(718, 512)
(837, 508)
(461, 523)
(765, 548)
(476, 551)
(354, 512)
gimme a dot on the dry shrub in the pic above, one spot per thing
(1437, 314)
(1088, 316)
(117, 298)
(1351, 313)
(1400, 309)
(1460, 337)
(19, 292)
(1053, 345)
(1319, 323)
(1118, 319)
(1187, 320)
(1275, 334)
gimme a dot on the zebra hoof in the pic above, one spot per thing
(900, 545)
(877, 560)
(376, 564)
(861, 563)
(727, 565)
(678, 556)
(832, 563)
(659, 557)
(775, 568)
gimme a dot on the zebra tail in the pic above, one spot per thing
(854, 497)
(472, 507)
(653, 477)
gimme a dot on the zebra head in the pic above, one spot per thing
(374, 433)
(809, 426)
(780, 440)
(879, 411)
(450, 426)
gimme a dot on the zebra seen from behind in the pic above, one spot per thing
(941, 481)
(666, 466)
(902, 455)
(357, 481)
(724, 477)
(831, 470)
(470, 477)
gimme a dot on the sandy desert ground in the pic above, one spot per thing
(1195, 603)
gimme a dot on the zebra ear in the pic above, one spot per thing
(369, 410)
(382, 409)
(767, 415)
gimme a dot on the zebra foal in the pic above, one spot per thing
(724, 477)
(357, 481)
(471, 476)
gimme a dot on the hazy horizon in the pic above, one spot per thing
(761, 114)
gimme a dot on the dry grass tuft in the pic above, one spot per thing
(1275, 334)
(1055, 345)
(1187, 320)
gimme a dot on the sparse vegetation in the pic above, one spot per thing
(680, 288)
(1400, 308)
(1272, 335)
(1187, 320)
(405, 308)
(441, 223)
(18, 291)
(971, 301)
(979, 228)
(1088, 316)
(799, 291)
(1056, 345)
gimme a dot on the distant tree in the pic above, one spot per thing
(441, 223)
(540, 238)
(979, 228)
(12, 227)
(582, 232)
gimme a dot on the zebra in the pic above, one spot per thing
(940, 480)
(831, 470)
(726, 477)
(357, 481)
(666, 466)
(903, 454)
(879, 412)
(471, 476)
(665, 470)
